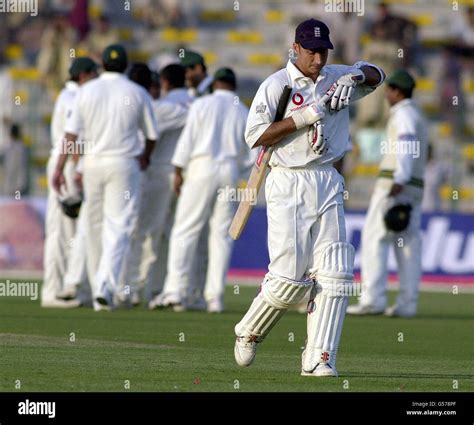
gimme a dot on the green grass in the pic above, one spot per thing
(144, 348)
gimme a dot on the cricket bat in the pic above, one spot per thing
(255, 179)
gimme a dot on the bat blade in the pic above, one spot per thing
(253, 186)
(256, 177)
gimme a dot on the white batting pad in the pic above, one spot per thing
(281, 293)
(327, 310)
(271, 303)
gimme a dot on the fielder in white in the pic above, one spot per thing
(197, 80)
(76, 283)
(199, 83)
(171, 109)
(400, 182)
(60, 229)
(304, 193)
(211, 151)
(111, 110)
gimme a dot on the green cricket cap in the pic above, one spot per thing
(191, 58)
(401, 79)
(226, 75)
(82, 64)
(115, 53)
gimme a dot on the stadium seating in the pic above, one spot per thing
(254, 38)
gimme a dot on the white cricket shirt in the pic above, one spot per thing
(171, 112)
(405, 149)
(294, 150)
(62, 109)
(214, 128)
(111, 110)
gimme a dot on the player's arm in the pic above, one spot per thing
(276, 132)
(69, 141)
(185, 145)
(73, 125)
(262, 129)
(178, 180)
(150, 130)
(300, 119)
(406, 136)
(145, 157)
(373, 78)
(354, 83)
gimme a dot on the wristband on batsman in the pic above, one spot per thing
(307, 116)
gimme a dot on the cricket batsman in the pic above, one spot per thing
(304, 193)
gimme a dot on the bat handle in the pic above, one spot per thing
(261, 154)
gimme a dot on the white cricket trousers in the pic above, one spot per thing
(112, 188)
(59, 233)
(199, 203)
(157, 196)
(376, 241)
(149, 250)
(305, 215)
(76, 273)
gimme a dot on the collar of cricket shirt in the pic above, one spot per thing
(399, 105)
(108, 75)
(223, 92)
(178, 94)
(299, 78)
(72, 85)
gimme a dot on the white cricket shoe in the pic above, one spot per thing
(215, 306)
(396, 311)
(105, 297)
(136, 299)
(99, 307)
(55, 303)
(322, 369)
(167, 300)
(67, 293)
(244, 351)
(362, 310)
(128, 300)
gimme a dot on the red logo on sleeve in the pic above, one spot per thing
(297, 99)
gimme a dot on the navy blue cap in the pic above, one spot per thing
(313, 34)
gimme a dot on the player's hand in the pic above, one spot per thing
(144, 161)
(178, 182)
(78, 180)
(395, 190)
(308, 116)
(340, 92)
(58, 180)
(316, 139)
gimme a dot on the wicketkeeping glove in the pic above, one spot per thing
(308, 116)
(340, 92)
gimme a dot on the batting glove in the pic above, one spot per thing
(316, 139)
(340, 92)
(308, 116)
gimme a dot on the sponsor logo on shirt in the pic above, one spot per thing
(297, 99)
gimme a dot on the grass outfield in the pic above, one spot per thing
(143, 348)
